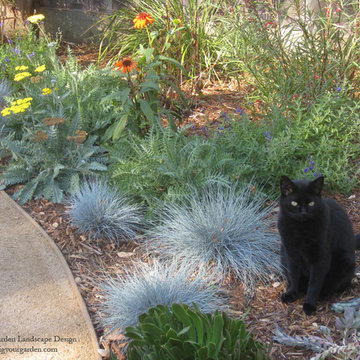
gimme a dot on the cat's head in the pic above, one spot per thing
(301, 199)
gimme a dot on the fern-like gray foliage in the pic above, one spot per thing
(325, 346)
(225, 228)
(5, 90)
(102, 212)
(167, 165)
(149, 285)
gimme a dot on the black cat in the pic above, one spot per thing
(317, 242)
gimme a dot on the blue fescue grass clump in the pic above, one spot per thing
(102, 212)
(221, 227)
(149, 285)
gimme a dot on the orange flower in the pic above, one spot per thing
(126, 65)
(142, 20)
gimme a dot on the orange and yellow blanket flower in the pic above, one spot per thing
(126, 65)
(142, 20)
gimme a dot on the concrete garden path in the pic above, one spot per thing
(42, 315)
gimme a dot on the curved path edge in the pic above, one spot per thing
(42, 313)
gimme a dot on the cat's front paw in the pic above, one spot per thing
(309, 308)
(289, 297)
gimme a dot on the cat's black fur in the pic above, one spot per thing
(317, 242)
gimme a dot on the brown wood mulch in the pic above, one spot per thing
(91, 263)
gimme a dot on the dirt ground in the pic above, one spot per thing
(90, 262)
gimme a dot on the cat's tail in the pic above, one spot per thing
(357, 238)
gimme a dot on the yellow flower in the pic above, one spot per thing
(21, 68)
(40, 68)
(22, 75)
(5, 112)
(142, 20)
(17, 106)
(22, 101)
(46, 91)
(35, 18)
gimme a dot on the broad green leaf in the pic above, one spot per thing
(120, 126)
(151, 329)
(181, 314)
(173, 61)
(147, 111)
(217, 328)
(199, 328)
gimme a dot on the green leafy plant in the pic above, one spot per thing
(287, 141)
(186, 31)
(25, 48)
(51, 158)
(292, 49)
(167, 165)
(181, 333)
(139, 98)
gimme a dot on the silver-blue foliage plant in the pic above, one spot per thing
(102, 212)
(223, 228)
(150, 284)
(5, 90)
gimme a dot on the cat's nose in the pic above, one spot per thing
(303, 210)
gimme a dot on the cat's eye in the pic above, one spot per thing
(311, 203)
(294, 203)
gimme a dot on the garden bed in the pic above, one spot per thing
(91, 263)
(291, 111)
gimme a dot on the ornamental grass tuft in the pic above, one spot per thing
(223, 228)
(149, 285)
(103, 212)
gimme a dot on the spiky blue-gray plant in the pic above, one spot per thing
(222, 227)
(149, 285)
(103, 212)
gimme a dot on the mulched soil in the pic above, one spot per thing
(92, 262)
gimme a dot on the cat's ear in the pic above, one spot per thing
(287, 187)
(317, 185)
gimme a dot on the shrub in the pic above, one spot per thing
(138, 100)
(102, 212)
(149, 285)
(166, 165)
(53, 130)
(179, 333)
(51, 159)
(290, 140)
(294, 49)
(220, 227)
